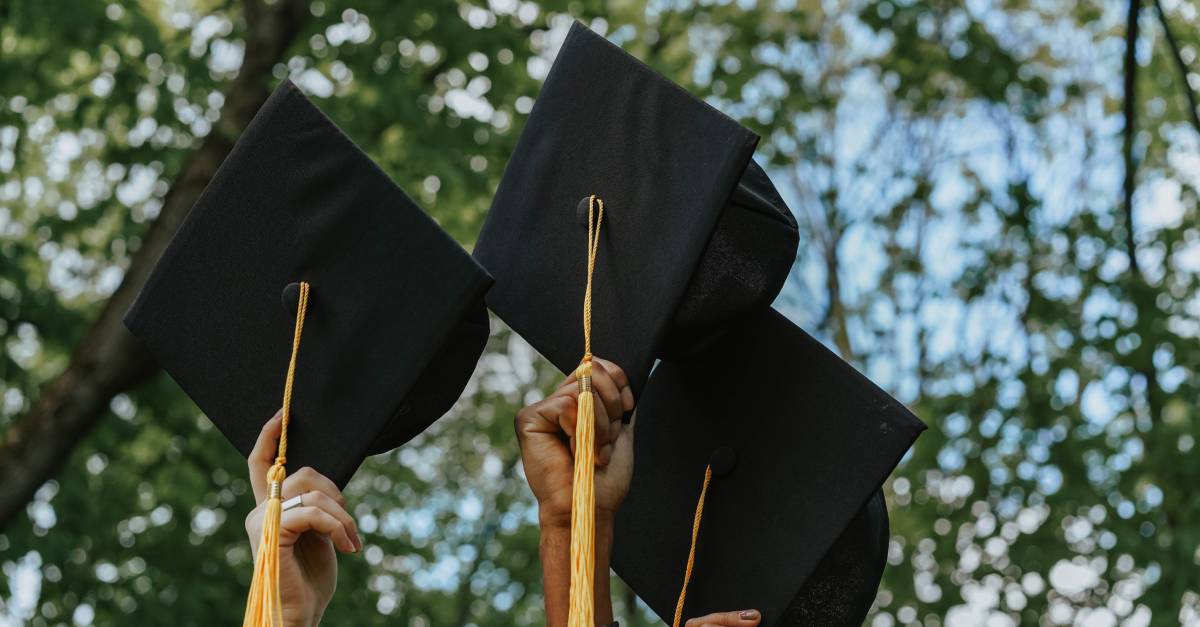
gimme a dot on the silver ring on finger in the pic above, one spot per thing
(295, 501)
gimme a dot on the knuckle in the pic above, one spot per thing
(526, 418)
(614, 404)
(613, 368)
(332, 501)
(567, 390)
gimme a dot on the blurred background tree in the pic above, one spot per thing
(970, 179)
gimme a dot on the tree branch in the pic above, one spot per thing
(1130, 104)
(836, 314)
(1193, 114)
(109, 360)
(1139, 289)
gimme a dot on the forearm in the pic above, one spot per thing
(555, 552)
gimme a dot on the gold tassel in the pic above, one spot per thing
(581, 612)
(687, 573)
(583, 506)
(264, 607)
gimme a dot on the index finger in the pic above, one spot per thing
(617, 374)
(614, 371)
(263, 455)
(606, 389)
(744, 618)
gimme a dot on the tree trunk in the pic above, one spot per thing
(109, 359)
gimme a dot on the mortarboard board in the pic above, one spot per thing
(683, 233)
(792, 521)
(693, 231)
(395, 322)
(842, 587)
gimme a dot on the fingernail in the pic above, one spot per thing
(748, 614)
(278, 414)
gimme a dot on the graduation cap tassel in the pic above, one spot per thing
(687, 573)
(581, 611)
(264, 606)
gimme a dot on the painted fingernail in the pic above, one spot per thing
(748, 614)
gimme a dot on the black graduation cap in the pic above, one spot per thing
(395, 321)
(693, 231)
(799, 443)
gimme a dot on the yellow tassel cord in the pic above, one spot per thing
(264, 606)
(582, 610)
(687, 574)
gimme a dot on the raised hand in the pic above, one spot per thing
(309, 534)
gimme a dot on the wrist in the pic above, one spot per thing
(554, 551)
(556, 520)
(553, 519)
(307, 617)
(311, 621)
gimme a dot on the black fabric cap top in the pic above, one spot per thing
(693, 235)
(396, 319)
(794, 525)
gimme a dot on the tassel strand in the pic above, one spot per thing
(264, 606)
(691, 562)
(581, 612)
